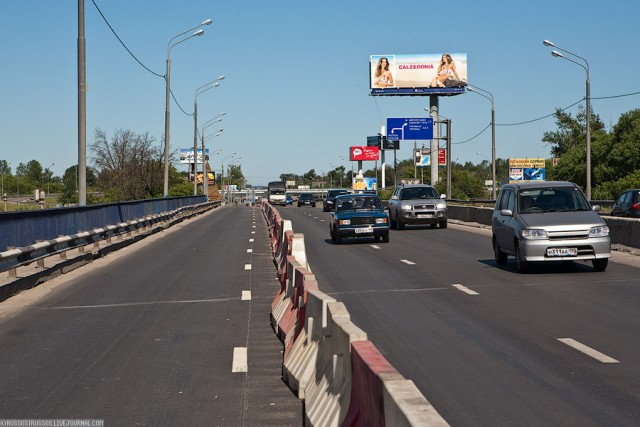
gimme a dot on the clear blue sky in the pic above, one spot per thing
(296, 91)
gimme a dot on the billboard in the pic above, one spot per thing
(423, 157)
(422, 74)
(364, 153)
(186, 155)
(526, 170)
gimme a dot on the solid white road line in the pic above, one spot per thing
(247, 266)
(239, 360)
(588, 350)
(246, 296)
(406, 261)
(465, 289)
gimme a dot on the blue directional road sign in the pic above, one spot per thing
(407, 129)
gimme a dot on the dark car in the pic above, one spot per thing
(306, 199)
(628, 204)
(358, 215)
(327, 203)
(417, 204)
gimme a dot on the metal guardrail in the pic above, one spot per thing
(16, 257)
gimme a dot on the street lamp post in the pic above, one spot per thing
(222, 164)
(475, 90)
(205, 177)
(167, 94)
(233, 161)
(49, 177)
(557, 54)
(210, 85)
(8, 164)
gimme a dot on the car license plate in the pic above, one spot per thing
(562, 252)
(424, 215)
(364, 230)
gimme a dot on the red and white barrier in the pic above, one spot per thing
(328, 361)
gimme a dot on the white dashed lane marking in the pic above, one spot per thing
(406, 261)
(249, 251)
(375, 246)
(588, 350)
(239, 363)
(465, 289)
(246, 296)
(247, 266)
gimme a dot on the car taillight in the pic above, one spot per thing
(635, 205)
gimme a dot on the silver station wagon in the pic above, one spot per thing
(538, 221)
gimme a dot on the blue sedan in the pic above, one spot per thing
(358, 215)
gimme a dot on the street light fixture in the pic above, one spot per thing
(475, 90)
(167, 120)
(557, 54)
(210, 85)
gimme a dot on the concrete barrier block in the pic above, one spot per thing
(404, 405)
(327, 395)
(299, 368)
(298, 249)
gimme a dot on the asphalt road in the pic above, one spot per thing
(152, 334)
(486, 345)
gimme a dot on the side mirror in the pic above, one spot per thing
(506, 212)
(596, 208)
(443, 196)
(394, 197)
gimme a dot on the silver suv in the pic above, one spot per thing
(548, 221)
(417, 204)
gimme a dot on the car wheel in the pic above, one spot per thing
(443, 224)
(501, 257)
(392, 221)
(521, 264)
(335, 237)
(385, 238)
(600, 264)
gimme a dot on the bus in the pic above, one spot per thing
(277, 193)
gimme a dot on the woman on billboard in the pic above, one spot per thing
(383, 77)
(446, 71)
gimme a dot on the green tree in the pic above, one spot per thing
(70, 185)
(130, 166)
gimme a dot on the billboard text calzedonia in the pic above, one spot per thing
(422, 74)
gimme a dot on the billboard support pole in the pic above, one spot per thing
(383, 164)
(448, 159)
(433, 112)
(415, 165)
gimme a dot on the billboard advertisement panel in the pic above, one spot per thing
(364, 153)
(186, 155)
(423, 157)
(420, 74)
(527, 170)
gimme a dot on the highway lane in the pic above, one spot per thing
(486, 345)
(148, 335)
